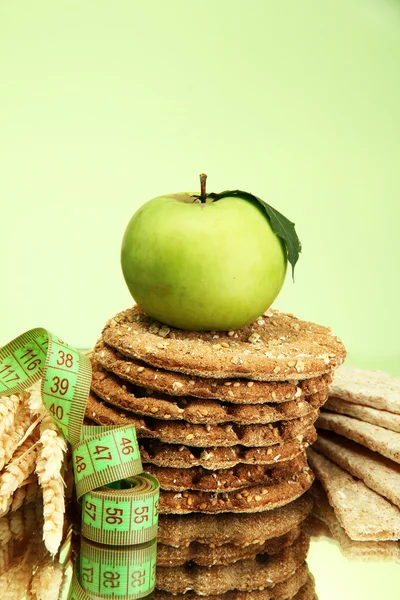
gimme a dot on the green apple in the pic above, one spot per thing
(198, 264)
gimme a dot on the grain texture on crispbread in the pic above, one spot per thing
(178, 432)
(252, 499)
(366, 550)
(209, 556)
(277, 347)
(364, 514)
(248, 574)
(375, 438)
(293, 588)
(382, 418)
(371, 388)
(225, 480)
(220, 457)
(241, 530)
(377, 472)
(236, 391)
(195, 410)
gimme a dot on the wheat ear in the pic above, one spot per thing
(19, 469)
(47, 580)
(49, 466)
(8, 408)
(16, 580)
(10, 440)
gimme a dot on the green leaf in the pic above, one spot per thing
(284, 228)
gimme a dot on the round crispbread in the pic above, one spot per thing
(114, 390)
(209, 556)
(240, 530)
(226, 480)
(220, 457)
(299, 586)
(178, 432)
(276, 347)
(248, 500)
(236, 391)
(248, 574)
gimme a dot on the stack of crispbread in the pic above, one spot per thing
(357, 461)
(223, 420)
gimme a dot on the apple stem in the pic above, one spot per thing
(203, 195)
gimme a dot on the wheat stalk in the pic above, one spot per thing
(47, 580)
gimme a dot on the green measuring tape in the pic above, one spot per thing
(119, 501)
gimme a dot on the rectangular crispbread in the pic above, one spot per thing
(375, 438)
(377, 472)
(364, 514)
(371, 388)
(324, 515)
(382, 418)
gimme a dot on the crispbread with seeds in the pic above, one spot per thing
(299, 586)
(371, 388)
(247, 574)
(225, 480)
(367, 550)
(377, 472)
(175, 432)
(278, 347)
(248, 500)
(220, 457)
(364, 514)
(209, 556)
(241, 530)
(382, 418)
(194, 410)
(375, 438)
(236, 391)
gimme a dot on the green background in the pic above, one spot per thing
(106, 104)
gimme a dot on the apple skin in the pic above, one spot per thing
(202, 266)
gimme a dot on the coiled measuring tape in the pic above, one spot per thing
(119, 501)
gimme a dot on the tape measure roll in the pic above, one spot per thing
(125, 518)
(111, 572)
(134, 510)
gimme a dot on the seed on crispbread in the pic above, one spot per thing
(241, 530)
(366, 550)
(370, 388)
(249, 574)
(377, 472)
(299, 586)
(114, 390)
(382, 418)
(225, 480)
(176, 432)
(286, 349)
(209, 556)
(234, 391)
(220, 457)
(375, 438)
(364, 514)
